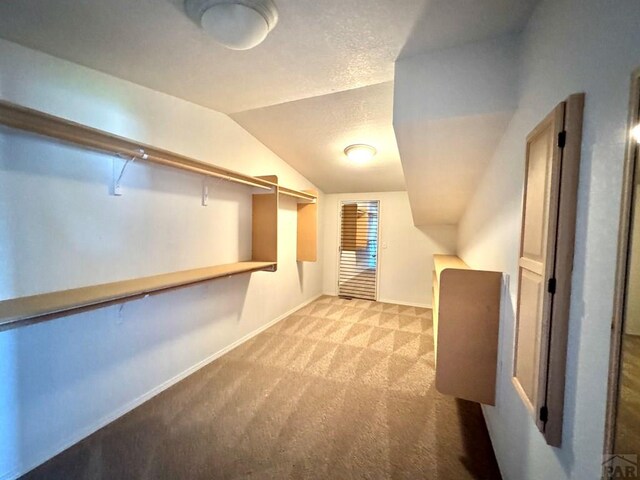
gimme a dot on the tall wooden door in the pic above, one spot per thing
(358, 250)
(537, 250)
(545, 264)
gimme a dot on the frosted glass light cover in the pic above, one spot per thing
(235, 26)
(360, 153)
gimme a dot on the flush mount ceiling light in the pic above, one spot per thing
(236, 24)
(360, 152)
(635, 133)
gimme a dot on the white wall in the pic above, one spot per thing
(59, 228)
(405, 251)
(569, 46)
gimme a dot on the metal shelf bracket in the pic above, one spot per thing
(118, 171)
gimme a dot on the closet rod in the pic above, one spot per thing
(40, 123)
(298, 194)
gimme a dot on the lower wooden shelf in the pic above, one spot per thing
(19, 311)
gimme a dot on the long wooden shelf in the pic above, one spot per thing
(18, 311)
(40, 123)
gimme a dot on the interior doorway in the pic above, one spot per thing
(622, 441)
(358, 249)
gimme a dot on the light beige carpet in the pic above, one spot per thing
(341, 389)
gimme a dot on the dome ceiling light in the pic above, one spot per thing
(236, 24)
(360, 153)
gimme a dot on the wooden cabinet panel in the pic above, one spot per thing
(466, 320)
(264, 223)
(528, 352)
(539, 175)
(307, 236)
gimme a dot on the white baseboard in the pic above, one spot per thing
(387, 300)
(43, 457)
(408, 304)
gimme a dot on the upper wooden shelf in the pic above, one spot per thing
(40, 123)
(23, 310)
(300, 195)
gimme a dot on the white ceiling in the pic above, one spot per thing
(317, 49)
(312, 134)
(451, 108)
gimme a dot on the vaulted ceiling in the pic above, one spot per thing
(312, 133)
(320, 81)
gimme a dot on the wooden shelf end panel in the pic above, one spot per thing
(434, 315)
(468, 324)
(264, 231)
(24, 310)
(442, 262)
(307, 236)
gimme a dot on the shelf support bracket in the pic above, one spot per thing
(118, 173)
(205, 193)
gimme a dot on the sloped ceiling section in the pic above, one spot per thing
(450, 110)
(317, 48)
(311, 135)
(320, 81)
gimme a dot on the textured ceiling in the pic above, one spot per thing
(317, 49)
(312, 134)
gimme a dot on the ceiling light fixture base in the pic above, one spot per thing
(236, 24)
(360, 152)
